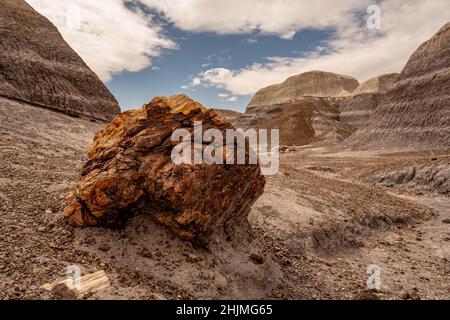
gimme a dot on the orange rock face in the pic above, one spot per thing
(130, 170)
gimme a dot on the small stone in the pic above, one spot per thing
(329, 263)
(412, 294)
(256, 258)
(105, 247)
(62, 292)
(192, 258)
(54, 245)
(90, 241)
(367, 295)
(446, 221)
(278, 295)
(157, 253)
(144, 252)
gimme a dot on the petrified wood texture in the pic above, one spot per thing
(130, 170)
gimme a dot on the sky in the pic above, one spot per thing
(222, 52)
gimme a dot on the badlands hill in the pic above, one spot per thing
(357, 109)
(230, 115)
(380, 84)
(310, 84)
(416, 113)
(305, 108)
(38, 67)
(300, 122)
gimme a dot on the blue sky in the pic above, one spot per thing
(222, 52)
(199, 52)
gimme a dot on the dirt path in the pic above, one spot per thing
(413, 255)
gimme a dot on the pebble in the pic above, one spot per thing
(256, 258)
(104, 247)
(412, 294)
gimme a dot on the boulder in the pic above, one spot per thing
(130, 170)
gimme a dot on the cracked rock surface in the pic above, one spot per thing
(130, 170)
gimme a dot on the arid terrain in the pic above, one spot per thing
(360, 208)
(321, 222)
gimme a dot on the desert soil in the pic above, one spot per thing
(323, 219)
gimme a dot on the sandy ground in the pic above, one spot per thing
(321, 222)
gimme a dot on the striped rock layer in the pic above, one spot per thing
(38, 67)
(416, 112)
(301, 122)
(357, 109)
(309, 84)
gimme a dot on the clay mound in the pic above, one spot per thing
(309, 84)
(38, 67)
(130, 170)
(357, 109)
(229, 115)
(380, 84)
(302, 122)
(416, 114)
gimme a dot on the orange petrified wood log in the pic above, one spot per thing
(130, 170)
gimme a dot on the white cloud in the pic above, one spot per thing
(227, 97)
(109, 37)
(196, 81)
(288, 35)
(250, 41)
(216, 77)
(112, 39)
(355, 50)
(281, 17)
